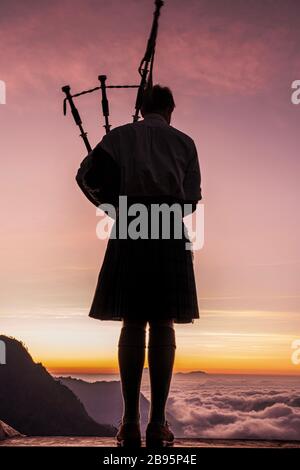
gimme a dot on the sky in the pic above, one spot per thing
(230, 66)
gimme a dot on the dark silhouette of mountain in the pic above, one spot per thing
(192, 372)
(103, 401)
(36, 404)
(185, 374)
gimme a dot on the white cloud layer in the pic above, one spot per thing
(239, 411)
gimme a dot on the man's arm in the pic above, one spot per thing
(192, 181)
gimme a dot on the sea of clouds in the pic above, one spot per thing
(237, 407)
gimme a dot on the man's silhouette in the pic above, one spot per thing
(145, 280)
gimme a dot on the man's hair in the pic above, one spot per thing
(157, 99)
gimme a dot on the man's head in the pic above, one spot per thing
(158, 100)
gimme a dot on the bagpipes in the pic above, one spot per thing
(145, 70)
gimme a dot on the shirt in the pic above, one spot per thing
(147, 158)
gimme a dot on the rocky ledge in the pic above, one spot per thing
(110, 442)
(7, 432)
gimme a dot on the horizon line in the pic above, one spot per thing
(87, 373)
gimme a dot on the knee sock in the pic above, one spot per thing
(161, 354)
(131, 356)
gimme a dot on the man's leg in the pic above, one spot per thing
(131, 356)
(161, 354)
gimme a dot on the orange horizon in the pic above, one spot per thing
(184, 362)
(263, 374)
(92, 371)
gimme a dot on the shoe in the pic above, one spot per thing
(159, 435)
(129, 435)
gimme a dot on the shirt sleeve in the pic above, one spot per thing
(192, 179)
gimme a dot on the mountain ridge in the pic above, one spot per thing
(35, 404)
(102, 400)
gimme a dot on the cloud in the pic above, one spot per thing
(216, 52)
(242, 414)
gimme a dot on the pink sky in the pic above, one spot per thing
(231, 71)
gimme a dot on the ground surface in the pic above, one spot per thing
(110, 442)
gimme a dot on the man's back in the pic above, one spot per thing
(154, 159)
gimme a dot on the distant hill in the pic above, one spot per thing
(36, 404)
(103, 401)
(192, 372)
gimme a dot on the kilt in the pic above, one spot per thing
(146, 279)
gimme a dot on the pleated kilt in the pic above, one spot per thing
(146, 279)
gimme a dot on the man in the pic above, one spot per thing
(145, 280)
